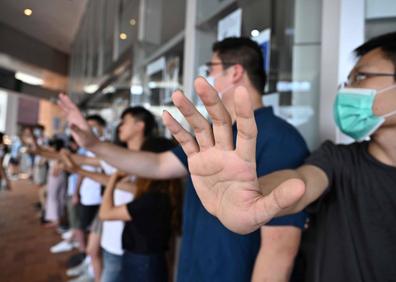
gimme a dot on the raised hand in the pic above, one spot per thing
(224, 175)
(80, 129)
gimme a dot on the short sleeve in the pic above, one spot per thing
(142, 206)
(297, 220)
(179, 153)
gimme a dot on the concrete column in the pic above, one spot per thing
(189, 68)
(342, 31)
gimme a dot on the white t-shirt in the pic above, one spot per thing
(112, 230)
(90, 190)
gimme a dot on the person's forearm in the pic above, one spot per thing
(270, 181)
(138, 163)
(314, 179)
(275, 260)
(83, 160)
(104, 179)
(96, 176)
(47, 153)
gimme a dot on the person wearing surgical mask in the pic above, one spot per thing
(209, 251)
(348, 190)
(230, 68)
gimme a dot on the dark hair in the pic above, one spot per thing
(116, 140)
(97, 118)
(70, 143)
(246, 52)
(157, 144)
(144, 115)
(39, 126)
(56, 143)
(387, 44)
(172, 187)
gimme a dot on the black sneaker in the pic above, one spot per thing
(75, 260)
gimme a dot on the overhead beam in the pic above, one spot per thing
(28, 49)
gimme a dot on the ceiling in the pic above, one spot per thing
(53, 22)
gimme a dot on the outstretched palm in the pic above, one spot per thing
(225, 176)
(80, 129)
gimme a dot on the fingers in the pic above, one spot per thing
(185, 139)
(66, 103)
(282, 197)
(246, 124)
(222, 124)
(201, 127)
(73, 114)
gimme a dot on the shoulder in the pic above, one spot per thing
(274, 129)
(332, 150)
(279, 144)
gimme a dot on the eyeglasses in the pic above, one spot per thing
(355, 78)
(209, 66)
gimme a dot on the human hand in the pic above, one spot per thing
(224, 175)
(80, 129)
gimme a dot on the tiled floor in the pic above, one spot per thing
(24, 243)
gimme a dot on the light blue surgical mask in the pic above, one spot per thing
(212, 80)
(353, 111)
(95, 131)
(37, 132)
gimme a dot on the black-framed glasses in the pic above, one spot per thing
(209, 65)
(356, 78)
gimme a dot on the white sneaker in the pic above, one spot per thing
(63, 246)
(79, 269)
(67, 235)
(85, 277)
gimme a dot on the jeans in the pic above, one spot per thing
(112, 268)
(144, 268)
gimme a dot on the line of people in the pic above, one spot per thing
(252, 187)
(252, 174)
(139, 219)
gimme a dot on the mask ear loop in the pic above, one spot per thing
(213, 78)
(382, 91)
(389, 114)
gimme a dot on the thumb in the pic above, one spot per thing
(282, 197)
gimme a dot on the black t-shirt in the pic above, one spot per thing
(149, 231)
(352, 233)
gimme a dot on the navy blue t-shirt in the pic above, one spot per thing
(211, 252)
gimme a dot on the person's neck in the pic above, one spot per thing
(135, 143)
(255, 98)
(383, 146)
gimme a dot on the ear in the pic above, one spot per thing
(140, 124)
(238, 72)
